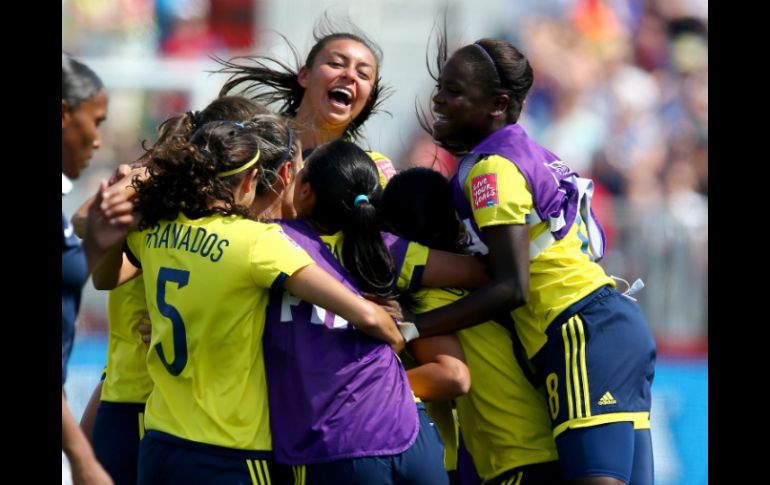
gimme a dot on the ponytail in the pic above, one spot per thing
(348, 192)
(364, 253)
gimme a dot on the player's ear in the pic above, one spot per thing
(302, 76)
(66, 113)
(286, 172)
(500, 105)
(250, 181)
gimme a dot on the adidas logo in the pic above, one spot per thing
(607, 399)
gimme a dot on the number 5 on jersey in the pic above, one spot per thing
(181, 278)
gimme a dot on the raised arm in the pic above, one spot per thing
(508, 288)
(316, 286)
(120, 182)
(109, 219)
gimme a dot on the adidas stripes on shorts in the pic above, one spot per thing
(599, 363)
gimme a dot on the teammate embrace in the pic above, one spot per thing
(267, 365)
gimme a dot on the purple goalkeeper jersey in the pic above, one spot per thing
(555, 193)
(334, 392)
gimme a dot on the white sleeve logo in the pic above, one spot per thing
(318, 315)
(473, 244)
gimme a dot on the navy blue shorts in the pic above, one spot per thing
(599, 363)
(169, 460)
(421, 463)
(118, 427)
(466, 471)
(548, 473)
(603, 451)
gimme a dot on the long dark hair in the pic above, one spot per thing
(340, 173)
(271, 81)
(425, 119)
(417, 205)
(223, 108)
(278, 141)
(186, 175)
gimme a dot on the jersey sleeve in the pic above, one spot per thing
(133, 247)
(385, 167)
(498, 193)
(426, 299)
(275, 257)
(415, 260)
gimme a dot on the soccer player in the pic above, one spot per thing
(208, 272)
(503, 419)
(341, 400)
(83, 109)
(117, 417)
(530, 215)
(330, 96)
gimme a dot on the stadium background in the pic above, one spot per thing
(621, 94)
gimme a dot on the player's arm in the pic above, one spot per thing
(109, 220)
(86, 469)
(312, 284)
(428, 267)
(445, 269)
(89, 414)
(508, 287)
(114, 269)
(500, 210)
(442, 373)
(121, 182)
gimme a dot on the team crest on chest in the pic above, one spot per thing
(484, 191)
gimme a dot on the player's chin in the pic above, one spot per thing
(82, 166)
(442, 130)
(336, 119)
(440, 133)
(456, 148)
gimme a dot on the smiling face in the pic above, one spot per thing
(80, 132)
(464, 110)
(338, 85)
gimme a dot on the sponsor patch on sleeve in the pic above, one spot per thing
(386, 168)
(289, 239)
(484, 190)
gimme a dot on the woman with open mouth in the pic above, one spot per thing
(330, 96)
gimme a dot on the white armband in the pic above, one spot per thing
(408, 331)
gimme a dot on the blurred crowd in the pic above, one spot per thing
(621, 94)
